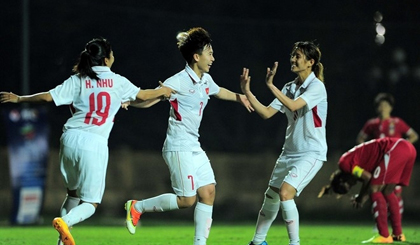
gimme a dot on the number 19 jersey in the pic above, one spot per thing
(94, 103)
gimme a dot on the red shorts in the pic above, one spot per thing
(396, 166)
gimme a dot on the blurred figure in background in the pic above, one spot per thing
(380, 165)
(385, 125)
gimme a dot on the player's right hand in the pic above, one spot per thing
(6, 97)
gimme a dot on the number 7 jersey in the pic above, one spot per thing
(187, 107)
(94, 103)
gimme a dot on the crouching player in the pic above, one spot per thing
(380, 165)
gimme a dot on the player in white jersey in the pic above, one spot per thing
(95, 94)
(190, 170)
(304, 101)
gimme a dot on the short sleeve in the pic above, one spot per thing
(130, 91)
(213, 87)
(64, 93)
(314, 94)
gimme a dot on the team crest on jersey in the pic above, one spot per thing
(207, 90)
(192, 91)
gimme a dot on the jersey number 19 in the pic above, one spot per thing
(100, 105)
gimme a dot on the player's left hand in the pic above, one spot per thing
(356, 201)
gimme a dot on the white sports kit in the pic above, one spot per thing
(188, 164)
(84, 142)
(305, 146)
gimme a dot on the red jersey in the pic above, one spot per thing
(391, 127)
(389, 160)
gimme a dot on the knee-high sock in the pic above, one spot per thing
(68, 204)
(161, 203)
(291, 218)
(202, 221)
(398, 193)
(380, 213)
(79, 213)
(267, 215)
(394, 213)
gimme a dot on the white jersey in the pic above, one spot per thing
(187, 107)
(94, 103)
(305, 133)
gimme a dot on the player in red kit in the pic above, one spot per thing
(380, 165)
(386, 125)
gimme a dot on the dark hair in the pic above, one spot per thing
(384, 97)
(339, 180)
(96, 50)
(311, 51)
(192, 42)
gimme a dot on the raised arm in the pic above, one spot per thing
(225, 94)
(264, 111)
(9, 97)
(292, 105)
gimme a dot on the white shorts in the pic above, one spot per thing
(189, 171)
(83, 163)
(296, 171)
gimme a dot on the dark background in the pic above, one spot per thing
(250, 34)
(241, 146)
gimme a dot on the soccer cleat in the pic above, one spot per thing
(263, 243)
(379, 239)
(63, 229)
(400, 238)
(133, 216)
(59, 242)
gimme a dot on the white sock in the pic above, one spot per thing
(202, 221)
(79, 213)
(162, 203)
(69, 203)
(291, 218)
(267, 215)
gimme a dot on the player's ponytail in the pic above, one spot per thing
(94, 54)
(312, 51)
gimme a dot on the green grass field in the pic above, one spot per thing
(181, 234)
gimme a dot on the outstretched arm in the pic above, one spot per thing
(264, 111)
(9, 97)
(140, 103)
(225, 94)
(292, 105)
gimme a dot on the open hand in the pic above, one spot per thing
(6, 97)
(270, 73)
(245, 80)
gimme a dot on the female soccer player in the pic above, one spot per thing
(386, 125)
(380, 165)
(191, 174)
(304, 101)
(94, 94)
